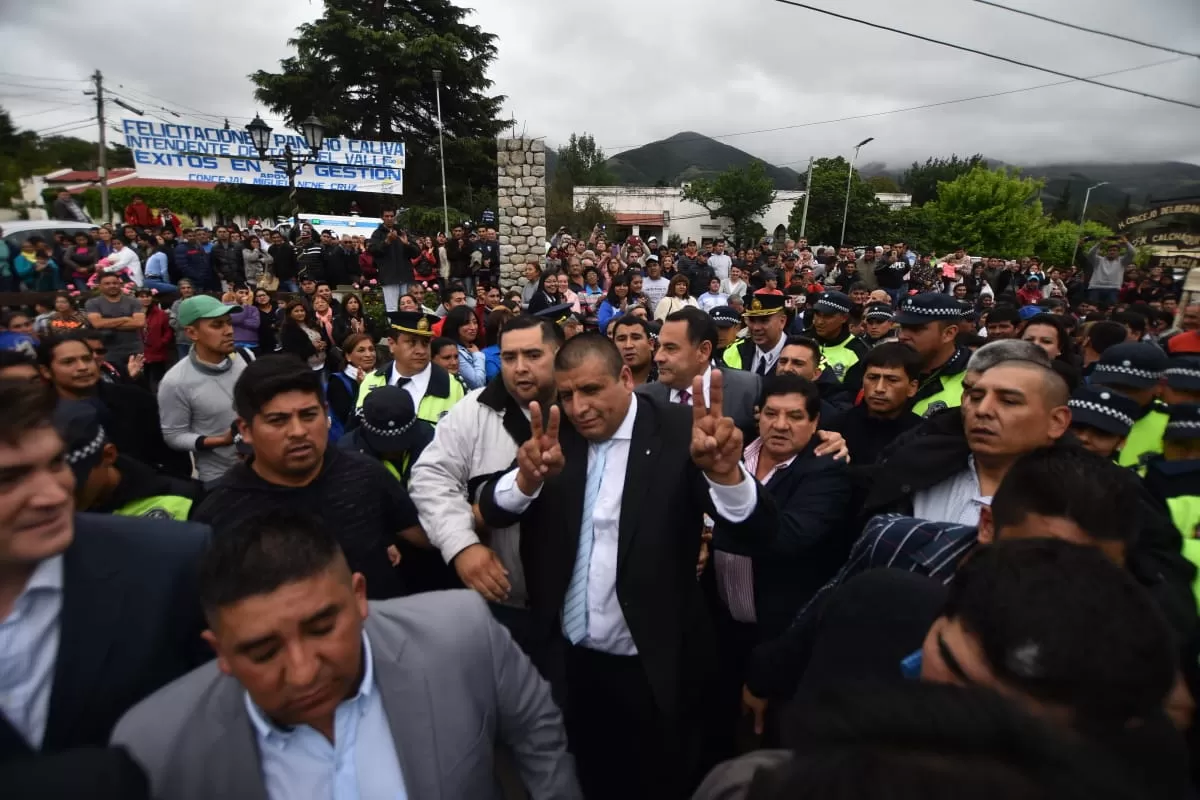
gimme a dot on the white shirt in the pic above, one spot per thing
(771, 356)
(128, 259)
(707, 378)
(607, 630)
(29, 650)
(655, 289)
(417, 384)
(720, 264)
(956, 499)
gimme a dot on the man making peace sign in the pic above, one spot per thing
(610, 502)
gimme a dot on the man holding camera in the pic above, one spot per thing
(1108, 270)
(392, 253)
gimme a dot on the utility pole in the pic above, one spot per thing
(807, 194)
(102, 170)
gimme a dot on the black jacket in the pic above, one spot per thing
(458, 253)
(227, 262)
(866, 436)
(810, 543)
(392, 259)
(130, 624)
(283, 261)
(139, 481)
(129, 415)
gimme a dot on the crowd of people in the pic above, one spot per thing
(653, 522)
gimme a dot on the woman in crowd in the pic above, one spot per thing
(1049, 332)
(158, 269)
(255, 261)
(182, 343)
(80, 259)
(322, 317)
(342, 391)
(301, 336)
(353, 320)
(677, 298)
(592, 295)
(158, 339)
(547, 294)
(34, 268)
(425, 264)
(247, 320)
(616, 303)
(568, 296)
(64, 318)
(496, 320)
(462, 328)
(268, 321)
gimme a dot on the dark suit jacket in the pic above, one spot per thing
(95, 773)
(129, 415)
(130, 623)
(658, 544)
(742, 390)
(810, 543)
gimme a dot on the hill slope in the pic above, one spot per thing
(686, 156)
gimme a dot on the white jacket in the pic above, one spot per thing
(470, 444)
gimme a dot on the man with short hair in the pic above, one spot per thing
(1135, 369)
(801, 356)
(654, 285)
(841, 350)
(1100, 336)
(929, 323)
(719, 261)
(119, 314)
(1002, 323)
(453, 296)
(1101, 419)
(390, 247)
(433, 391)
(226, 258)
(1107, 272)
(878, 324)
(890, 379)
(316, 691)
(631, 335)
(766, 317)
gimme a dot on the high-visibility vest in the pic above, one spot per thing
(440, 396)
(1185, 513)
(162, 506)
(949, 396)
(840, 357)
(1145, 438)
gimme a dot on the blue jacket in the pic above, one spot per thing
(194, 264)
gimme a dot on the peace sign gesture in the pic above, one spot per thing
(541, 457)
(716, 441)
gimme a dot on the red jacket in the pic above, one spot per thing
(157, 337)
(1028, 297)
(140, 215)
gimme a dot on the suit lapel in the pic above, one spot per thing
(234, 746)
(90, 620)
(645, 448)
(406, 701)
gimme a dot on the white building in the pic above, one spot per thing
(894, 200)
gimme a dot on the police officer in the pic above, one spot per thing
(388, 431)
(1135, 369)
(929, 323)
(1181, 381)
(878, 324)
(108, 482)
(841, 351)
(1101, 419)
(433, 390)
(766, 317)
(729, 323)
(1173, 477)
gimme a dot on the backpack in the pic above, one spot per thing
(336, 428)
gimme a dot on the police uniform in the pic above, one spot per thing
(878, 312)
(1176, 483)
(725, 317)
(1136, 365)
(843, 353)
(742, 355)
(141, 490)
(1103, 409)
(941, 388)
(441, 390)
(388, 430)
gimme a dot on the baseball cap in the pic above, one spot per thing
(203, 306)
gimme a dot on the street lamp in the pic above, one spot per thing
(1083, 216)
(849, 179)
(437, 88)
(291, 162)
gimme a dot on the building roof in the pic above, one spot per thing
(86, 175)
(129, 180)
(651, 220)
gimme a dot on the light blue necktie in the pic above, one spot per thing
(575, 610)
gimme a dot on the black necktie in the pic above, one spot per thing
(762, 366)
(402, 381)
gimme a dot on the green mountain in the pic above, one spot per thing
(687, 156)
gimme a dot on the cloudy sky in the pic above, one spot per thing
(632, 71)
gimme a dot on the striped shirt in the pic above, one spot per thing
(28, 649)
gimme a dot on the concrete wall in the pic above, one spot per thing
(521, 217)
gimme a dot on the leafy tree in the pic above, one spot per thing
(867, 222)
(882, 183)
(739, 194)
(921, 181)
(1062, 209)
(913, 226)
(1056, 242)
(24, 154)
(580, 163)
(989, 212)
(364, 68)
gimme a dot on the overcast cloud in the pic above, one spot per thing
(632, 71)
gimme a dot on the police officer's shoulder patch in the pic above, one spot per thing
(935, 407)
(157, 513)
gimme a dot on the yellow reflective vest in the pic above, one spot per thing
(840, 357)
(163, 506)
(440, 396)
(944, 389)
(1145, 438)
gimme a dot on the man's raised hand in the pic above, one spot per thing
(541, 457)
(716, 441)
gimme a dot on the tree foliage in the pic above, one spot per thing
(738, 194)
(882, 184)
(867, 222)
(989, 212)
(1056, 241)
(580, 163)
(24, 154)
(364, 68)
(921, 180)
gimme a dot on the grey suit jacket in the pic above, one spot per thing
(453, 684)
(742, 390)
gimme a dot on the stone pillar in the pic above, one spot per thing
(521, 216)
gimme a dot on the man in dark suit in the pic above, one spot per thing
(96, 612)
(766, 318)
(611, 520)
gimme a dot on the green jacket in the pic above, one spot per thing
(145, 492)
(440, 396)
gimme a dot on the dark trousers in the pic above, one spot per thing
(624, 747)
(732, 733)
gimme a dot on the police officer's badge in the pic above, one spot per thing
(156, 513)
(422, 324)
(756, 304)
(934, 407)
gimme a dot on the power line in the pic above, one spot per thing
(43, 78)
(57, 107)
(1005, 59)
(1087, 30)
(53, 129)
(39, 88)
(901, 110)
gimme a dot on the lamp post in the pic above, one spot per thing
(437, 88)
(291, 162)
(1083, 217)
(849, 179)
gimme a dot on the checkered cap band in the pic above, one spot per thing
(1184, 426)
(912, 308)
(825, 304)
(88, 450)
(1098, 408)
(1134, 372)
(1182, 372)
(878, 314)
(389, 431)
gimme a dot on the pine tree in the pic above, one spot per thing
(365, 69)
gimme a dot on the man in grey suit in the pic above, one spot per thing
(317, 693)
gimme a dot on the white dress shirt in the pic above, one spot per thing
(417, 384)
(28, 650)
(956, 499)
(607, 630)
(771, 355)
(707, 378)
